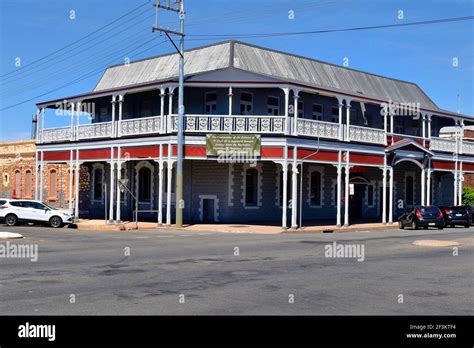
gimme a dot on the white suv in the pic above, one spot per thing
(14, 211)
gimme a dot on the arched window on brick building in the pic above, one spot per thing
(53, 185)
(28, 184)
(17, 185)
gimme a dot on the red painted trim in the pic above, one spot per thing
(272, 152)
(194, 151)
(152, 151)
(442, 165)
(57, 156)
(366, 159)
(467, 166)
(94, 154)
(319, 156)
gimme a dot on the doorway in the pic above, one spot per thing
(356, 202)
(208, 208)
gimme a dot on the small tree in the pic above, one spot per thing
(468, 195)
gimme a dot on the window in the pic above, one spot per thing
(210, 103)
(300, 109)
(103, 114)
(315, 188)
(353, 114)
(273, 106)
(409, 190)
(17, 190)
(144, 184)
(317, 112)
(97, 178)
(53, 184)
(36, 205)
(251, 187)
(335, 114)
(146, 108)
(370, 195)
(246, 103)
(28, 183)
(288, 188)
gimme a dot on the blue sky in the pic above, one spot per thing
(32, 29)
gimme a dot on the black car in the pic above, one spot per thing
(458, 215)
(422, 216)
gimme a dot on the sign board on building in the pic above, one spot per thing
(238, 145)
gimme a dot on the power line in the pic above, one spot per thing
(87, 75)
(79, 40)
(258, 35)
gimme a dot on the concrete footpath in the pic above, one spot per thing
(101, 225)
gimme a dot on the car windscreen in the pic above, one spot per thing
(429, 210)
(458, 209)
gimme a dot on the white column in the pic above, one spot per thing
(230, 100)
(385, 115)
(461, 136)
(294, 189)
(42, 124)
(162, 110)
(339, 189)
(295, 115)
(428, 187)
(118, 213)
(455, 173)
(384, 193)
(169, 178)
(170, 107)
(72, 121)
(160, 191)
(36, 174)
(41, 183)
(76, 198)
(71, 175)
(340, 105)
(423, 188)
(461, 179)
(113, 116)
(348, 118)
(346, 195)
(284, 212)
(287, 106)
(390, 206)
(120, 101)
(79, 107)
(429, 126)
(112, 182)
(391, 123)
(38, 125)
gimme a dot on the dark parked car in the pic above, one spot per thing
(422, 216)
(458, 215)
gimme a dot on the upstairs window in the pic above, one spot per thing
(246, 103)
(317, 112)
(145, 110)
(335, 114)
(300, 109)
(273, 106)
(210, 103)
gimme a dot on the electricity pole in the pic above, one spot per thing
(179, 8)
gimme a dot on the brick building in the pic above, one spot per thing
(17, 168)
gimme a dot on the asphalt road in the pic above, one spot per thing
(269, 271)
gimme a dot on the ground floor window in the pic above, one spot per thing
(315, 188)
(409, 190)
(28, 183)
(251, 187)
(97, 182)
(144, 184)
(53, 189)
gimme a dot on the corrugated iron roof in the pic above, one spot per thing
(267, 62)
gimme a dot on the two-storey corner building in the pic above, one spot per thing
(334, 144)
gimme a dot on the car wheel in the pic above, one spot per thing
(453, 225)
(440, 227)
(400, 225)
(467, 225)
(11, 220)
(55, 222)
(414, 225)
